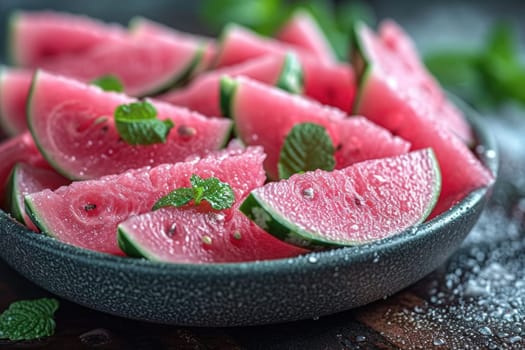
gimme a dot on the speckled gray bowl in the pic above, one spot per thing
(313, 285)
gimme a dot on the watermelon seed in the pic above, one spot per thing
(338, 147)
(237, 235)
(90, 207)
(172, 229)
(308, 193)
(186, 132)
(206, 240)
(104, 129)
(357, 201)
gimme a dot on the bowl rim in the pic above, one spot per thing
(331, 257)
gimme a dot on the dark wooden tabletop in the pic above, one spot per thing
(475, 301)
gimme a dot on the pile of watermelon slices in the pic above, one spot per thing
(401, 150)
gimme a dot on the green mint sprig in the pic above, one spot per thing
(28, 319)
(109, 83)
(217, 193)
(137, 124)
(306, 147)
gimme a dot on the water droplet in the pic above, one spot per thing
(308, 193)
(360, 338)
(515, 339)
(315, 318)
(206, 240)
(172, 229)
(485, 331)
(376, 258)
(490, 153)
(354, 227)
(439, 342)
(89, 143)
(312, 259)
(110, 151)
(237, 235)
(220, 217)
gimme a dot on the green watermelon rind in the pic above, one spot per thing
(362, 65)
(12, 194)
(35, 218)
(291, 77)
(278, 226)
(128, 246)
(10, 41)
(227, 91)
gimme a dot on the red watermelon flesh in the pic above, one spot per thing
(72, 123)
(303, 31)
(37, 36)
(399, 78)
(86, 213)
(264, 116)
(365, 202)
(26, 179)
(193, 235)
(17, 149)
(332, 84)
(14, 90)
(145, 65)
(238, 44)
(144, 27)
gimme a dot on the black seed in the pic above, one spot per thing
(90, 206)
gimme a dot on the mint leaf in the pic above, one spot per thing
(109, 83)
(137, 124)
(219, 194)
(306, 147)
(28, 319)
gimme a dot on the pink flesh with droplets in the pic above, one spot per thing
(86, 213)
(14, 90)
(74, 124)
(302, 30)
(239, 44)
(332, 84)
(193, 235)
(37, 36)
(264, 116)
(367, 201)
(29, 179)
(20, 148)
(400, 79)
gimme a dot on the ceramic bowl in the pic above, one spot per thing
(252, 293)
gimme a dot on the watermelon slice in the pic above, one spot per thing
(202, 95)
(264, 116)
(302, 30)
(365, 202)
(14, 89)
(392, 77)
(20, 148)
(422, 119)
(145, 65)
(86, 213)
(26, 179)
(238, 44)
(72, 124)
(332, 84)
(143, 27)
(37, 36)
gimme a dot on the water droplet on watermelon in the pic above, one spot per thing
(110, 151)
(207, 240)
(89, 143)
(308, 193)
(379, 179)
(171, 230)
(220, 217)
(312, 259)
(354, 227)
(237, 235)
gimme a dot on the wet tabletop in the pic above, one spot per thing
(475, 301)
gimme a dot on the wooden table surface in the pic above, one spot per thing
(475, 301)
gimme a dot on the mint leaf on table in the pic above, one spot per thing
(109, 83)
(28, 319)
(307, 147)
(137, 124)
(217, 193)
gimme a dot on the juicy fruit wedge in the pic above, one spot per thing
(145, 65)
(202, 95)
(72, 124)
(264, 116)
(26, 179)
(424, 123)
(143, 27)
(392, 78)
(20, 148)
(86, 213)
(14, 90)
(302, 30)
(38, 36)
(365, 202)
(239, 44)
